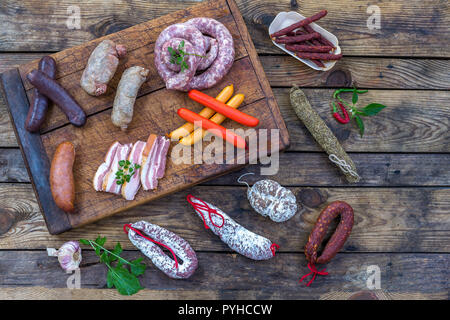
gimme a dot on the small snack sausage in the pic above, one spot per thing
(338, 238)
(62, 182)
(318, 56)
(300, 24)
(139, 234)
(101, 66)
(39, 105)
(239, 239)
(131, 81)
(269, 198)
(297, 39)
(59, 96)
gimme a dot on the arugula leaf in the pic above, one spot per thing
(372, 109)
(118, 276)
(137, 267)
(360, 124)
(124, 281)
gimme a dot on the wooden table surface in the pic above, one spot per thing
(402, 205)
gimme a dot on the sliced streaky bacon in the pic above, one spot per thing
(105, 166)
(162, 158)
(147, 163)
(109, 182)
(129, 189)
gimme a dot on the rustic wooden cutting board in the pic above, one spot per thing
(155, 112)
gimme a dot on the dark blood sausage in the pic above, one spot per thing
(318, 56)
(307, 48)
(59, 96)
(162, 261)
(338, 238)
(300, 24)
(62, 182)
(296, 39)
(39, 105)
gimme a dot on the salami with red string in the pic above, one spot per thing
(238, 238)
(175, 244)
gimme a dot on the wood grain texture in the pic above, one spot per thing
(386, 219)
(415, 121)
(223, 273)
(43, 293)
(153, 109)
(314, 169)
(365, 72)
(413, 28)
(36, 160)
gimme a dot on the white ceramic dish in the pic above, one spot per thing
(285, 19)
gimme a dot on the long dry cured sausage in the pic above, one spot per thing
(338, 238)
(238, 238)
(62, 183)
(177, 245)
(39, 105)
(209, 47)
(59, 96)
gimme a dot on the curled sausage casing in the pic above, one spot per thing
(62, 182)
(338, 238)
(39, 105)
(128, 88)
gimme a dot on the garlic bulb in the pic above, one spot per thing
(69, 255)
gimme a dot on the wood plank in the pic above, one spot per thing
(33, 152)
(414, 121)
(226, 273)
(43, 293)
(313, 169)
(386, 219)
(413, 28)
(422, 115)
(367, 72)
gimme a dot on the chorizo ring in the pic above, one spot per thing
(338, 238)
(168, 239)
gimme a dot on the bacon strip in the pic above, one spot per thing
(129, 189)
(109, 182)
(105, 167)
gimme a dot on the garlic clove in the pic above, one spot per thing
(69, 255)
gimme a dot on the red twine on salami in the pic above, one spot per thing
(150, 239)
(204, 206)
(313, 272)
(274, 247)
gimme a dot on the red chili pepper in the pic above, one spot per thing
(338, 117)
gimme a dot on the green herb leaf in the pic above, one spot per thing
(372, 109)
(119, 182)
(137, 166)
(124, 281)
(121, 163)
(355, 97)
(117, 251)
(104, 257)
(128, 162)
(85, 242)
(137, 267)
(171, 51)
(360, 124)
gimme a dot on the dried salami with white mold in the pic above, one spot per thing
(270, 199)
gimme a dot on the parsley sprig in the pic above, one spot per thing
(177, 56)
(124, 280)
(126, 171)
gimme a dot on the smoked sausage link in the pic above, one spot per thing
(62, 182)
(338, 238)
(39, 105)
(59, 96)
